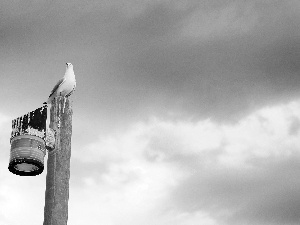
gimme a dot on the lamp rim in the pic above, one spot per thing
(34, 162)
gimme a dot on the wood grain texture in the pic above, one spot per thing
(58, 165)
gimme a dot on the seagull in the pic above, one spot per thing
(65, 86)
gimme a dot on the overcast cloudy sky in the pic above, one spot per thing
(186, 111)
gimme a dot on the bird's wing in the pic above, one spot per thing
(60, 82)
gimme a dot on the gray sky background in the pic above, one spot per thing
(185, 112)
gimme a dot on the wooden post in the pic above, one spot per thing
(58, 165)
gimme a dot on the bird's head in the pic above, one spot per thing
(69, 65)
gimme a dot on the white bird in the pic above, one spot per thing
(64, 86)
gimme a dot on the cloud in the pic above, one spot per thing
(5, 130)
(191, 59)
(216, 75)
(246, 181)
(4, 156)
(231, 20)
(166, 172)
(179, 172)
(21, 198)
(224, 72)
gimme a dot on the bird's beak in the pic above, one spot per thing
(66, 63)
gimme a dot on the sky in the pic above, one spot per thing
(185, 112)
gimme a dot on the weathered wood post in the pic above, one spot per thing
(58, 165)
